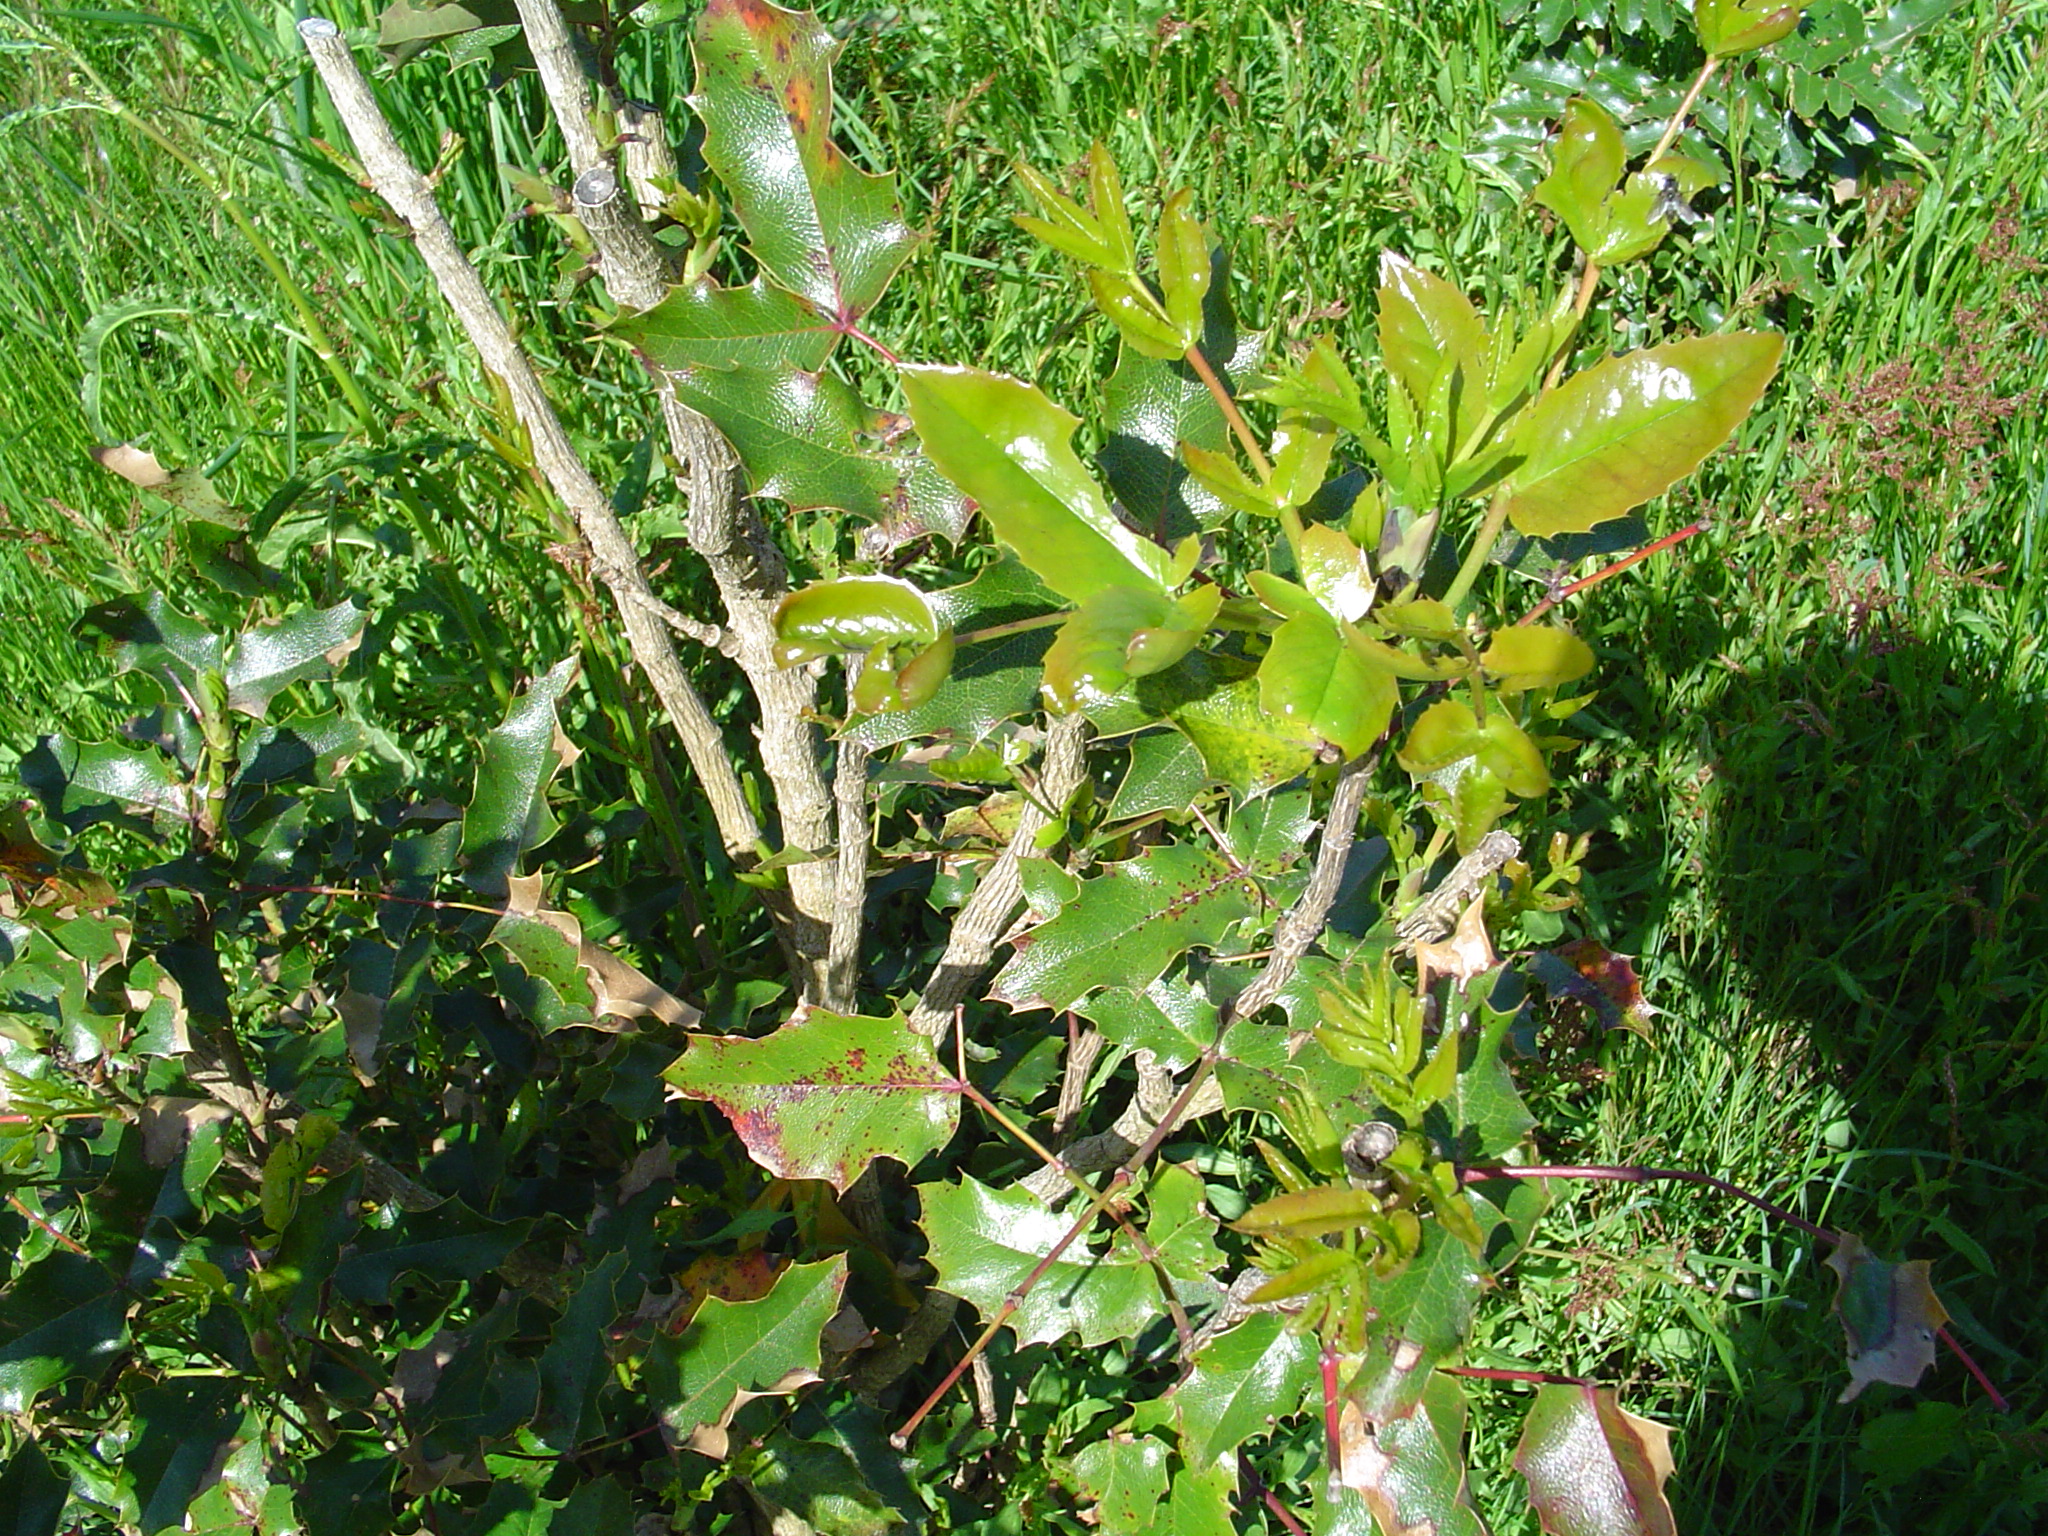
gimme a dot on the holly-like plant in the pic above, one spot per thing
(1140, 709)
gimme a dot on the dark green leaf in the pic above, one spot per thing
(573, 1366)
(820, 226)
(703, 325)
(985, 1241)
(80, 1341)
(736, 1348)
(449, 1242)
(31, 1494)
(508, 813)
(309, 643)
(1242, 1382)
(1125, 1479)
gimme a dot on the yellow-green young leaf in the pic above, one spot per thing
(1585, 164)
(1106, 193)
(1336, 571)
(1183, 266)
(1288, 599)
(1330, 1269)
(1311, 1213)
(1525, 656)
(1427, 327)
(1633, 222)
(1624, 430)
(1301, 458)
(850, 614)
(1219, 474)
(1065, 227)
(1594, 1469)
(1088, 660)
(1318, 384)
(1391, 658)
(1318, 685)
(1007, 446)
(1889, 1314)
(1729, 27)
(1448, 733)
(885, 686)
(1138, 317)
(1423, 617)
(1240, 744)
(1155, 649)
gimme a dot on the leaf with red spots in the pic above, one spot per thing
(1587, 971)
(826, 1094)
(1890, 1314)
(1594, 1468)
(818, 225)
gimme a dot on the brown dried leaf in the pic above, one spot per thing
(1889, 1314)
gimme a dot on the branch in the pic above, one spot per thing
(613, 556)
(725, 529)
(987, 913)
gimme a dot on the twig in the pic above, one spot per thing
(850, 792)
(1608, 572)
(1630, 1175)
(409, 196)
(973, 939)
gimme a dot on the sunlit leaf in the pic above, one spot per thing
(826, 1094)
(850, 614)
(734, 1351)
(1010, 449)
(1594, 1469)
(1242, 1382)
(1615, 434)
(1411, 1470)
(818, 225)
(1124, 1477)
(985, 1241)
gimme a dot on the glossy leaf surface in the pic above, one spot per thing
(508, 813)
(1010, 449)
(818, 225)
(849, 615)
(1594, 1469)
(1324, 688)
(1242, 1381)
(1411, 1471)
(1614, 435)
(826, 1094)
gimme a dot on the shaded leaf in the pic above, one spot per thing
(1889, 1314)
(448, 1242)
(32, 1493)
(508, 813)
(1594, 1469)
(735, 1351)
(827, 1094)
(79, 1341)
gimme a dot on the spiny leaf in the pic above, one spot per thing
(818, 225)
(827, 1094)
(984, 1242)
(734, 1351)
(1594, 1469)
(1242, 1382)
(508, 813)
(1125, 1478)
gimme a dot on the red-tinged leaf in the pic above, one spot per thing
(1010, 449)
(733, 1352)
(729, 1277)
(1889, 1314)
(1585, 164)
(1616, 434)
(1411, 1470)
(818, 226)
(1324, 689)
(826, 1094)
(1617, 991)
(1594, 1469)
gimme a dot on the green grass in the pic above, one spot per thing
(1817, 769)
